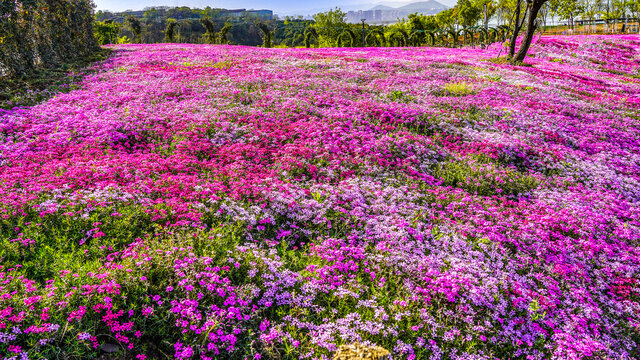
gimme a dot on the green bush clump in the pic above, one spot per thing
(484, 179)
(456, 89)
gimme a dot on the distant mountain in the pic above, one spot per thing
(382, 7)
(422, 5)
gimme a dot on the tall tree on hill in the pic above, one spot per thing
(210, 35)
(533, 8)
(136, 28)
(223, 34)
(106, 32)
(169, 32)
(267, 36)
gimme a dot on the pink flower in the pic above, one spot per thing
(264, 325)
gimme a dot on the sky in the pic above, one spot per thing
(280, 7)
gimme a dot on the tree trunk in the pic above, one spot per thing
(516, 30)
(534, 7)
(573, 26)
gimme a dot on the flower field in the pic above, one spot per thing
(221, 202)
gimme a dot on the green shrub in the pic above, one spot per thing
(484, 179)
(456, 89)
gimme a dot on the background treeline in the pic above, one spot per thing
(186, 25)
(44, 33)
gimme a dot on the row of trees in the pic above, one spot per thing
(468, 22)
(181, 24)
(468, 13)
(204, 30)
(43, 33)
(609, 11)
(330, 28)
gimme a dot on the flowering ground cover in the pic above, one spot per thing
(201, 202)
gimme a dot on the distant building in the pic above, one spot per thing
(262, 14)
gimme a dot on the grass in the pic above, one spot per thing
(456, 89)
(42, 84)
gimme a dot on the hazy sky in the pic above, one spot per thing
(285, 7)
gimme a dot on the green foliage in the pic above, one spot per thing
(485, 179)
(446, 19)
(41, 84)
(566, 9)
(43, 33)
(136, 27)
(347, 38)
(467, 13)
(68, 236)
(123, 40)
(309, 34)
(106, 32)
(423, 22)
(169, 32)
(210, 35)
(223, 34)
(266, 35)
(329, 25)
(400, 96)
(456, 89)
(398, 37)
(376, 37)
(290, 32)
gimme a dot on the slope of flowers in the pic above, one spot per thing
(201, 202)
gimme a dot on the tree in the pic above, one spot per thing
(591, 9)
(413, 31)
(103, 15)
(565, 9)
(223, 34)
(169, 32)
(267, 36)
(136, 28)
(633, 6)
(517, 24)
(347, 38)
(446, 19)
(467, 13)
(533, 7)
(106, 32)
(616, 11)
(210, 35)
(376, 37)
(422, 22)
(35, 33)
(310, 33)
(398, 37)
(329, 25)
